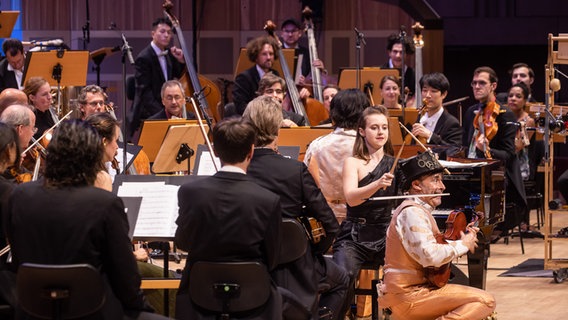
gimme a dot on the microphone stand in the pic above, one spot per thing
(126, 53)
(360, 38)
(402, 37)
(87, 28)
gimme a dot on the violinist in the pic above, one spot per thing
(411, 247)
(38, 91)
(498, 142)
(261, 52)
(109, 130)
(22, 119)
(275, 87)
(155, 64)
(437, 126)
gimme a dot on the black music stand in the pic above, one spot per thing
(98, 56)
(7, 22)
(58, 67)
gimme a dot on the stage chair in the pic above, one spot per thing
(226, 288)
(376, 312)
(296, 242)
(59, 291)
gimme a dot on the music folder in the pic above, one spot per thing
(7, 22)
(58, 67)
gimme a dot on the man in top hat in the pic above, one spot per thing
(412, 248)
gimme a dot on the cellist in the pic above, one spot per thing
(489, 132)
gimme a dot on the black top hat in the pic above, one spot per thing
(291, 21)
(418, 166)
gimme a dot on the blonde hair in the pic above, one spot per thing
(265, 114)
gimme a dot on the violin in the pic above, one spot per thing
(408, 138)
(485, 124)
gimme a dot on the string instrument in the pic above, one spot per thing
(523, 135)
(424, 107)
(314, 229)
(191, 81)
(485, 124)
(418, 44)
(317, 110)
(316, 73)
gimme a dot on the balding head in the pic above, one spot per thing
(10, 96)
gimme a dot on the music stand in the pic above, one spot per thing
(7, 22)
(58, 67)
(370, 78)
(153, 132)
(176, 137)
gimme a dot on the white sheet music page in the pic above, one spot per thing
(206, 167)
(158, 210)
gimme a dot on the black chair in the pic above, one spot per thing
(295, 244)
(376, 313)
(226, 288)
(59, 291)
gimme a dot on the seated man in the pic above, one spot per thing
(228, 218)
(273, 86)
(412, 248)
(173, 99)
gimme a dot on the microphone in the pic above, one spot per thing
(47, 43)
(360, 36)
(112, 25)
(127, 49)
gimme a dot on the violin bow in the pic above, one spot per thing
(393, 167)
(446, 171)
(47, 131)
(200, 123)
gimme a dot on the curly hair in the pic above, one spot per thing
(74, 155)
(255, 46)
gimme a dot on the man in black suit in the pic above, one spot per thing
(437, 126)
(155, 65)
(228, 217)
(394, 50)
(173, 99)
(300, 197)
(261, 52)
(502, 144)
(520, 72)
(12, 67)
(64, 219)
(273, 86)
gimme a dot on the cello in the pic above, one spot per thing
(313, 105)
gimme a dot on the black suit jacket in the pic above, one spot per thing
(502, 147)
(149, 80)
(447, 133)
(299, 196)
(246, 86)
(226, 217)
(7, 78)
(77, 225)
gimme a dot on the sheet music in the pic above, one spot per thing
(206, 167)
(158, 210)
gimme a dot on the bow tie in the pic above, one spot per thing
(163, 53)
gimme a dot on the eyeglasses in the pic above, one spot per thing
(481, 83)
(176, 98)
(271, 91)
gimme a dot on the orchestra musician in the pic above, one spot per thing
(173, 99)
(10, 96)
(325, 155)
(44, 225)
(366, 174)
(275, 87)
(22, 119)
(108, 129)
(501, 146)
(12, 68)
(261, 51)
(394, 50)
(411, 247)
(437, 126)
(9, 155)
(299, 196)
(390, 92)
(155, 64)
(228, 217)
(520, 72)
(91, 100)
(38, 91)
(328, 92)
